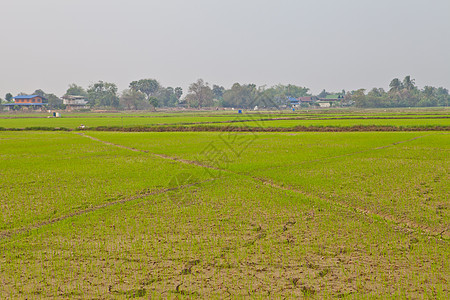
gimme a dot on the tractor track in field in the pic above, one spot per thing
(405, 225)
(11, 233)
(196, 163)
(402, 224)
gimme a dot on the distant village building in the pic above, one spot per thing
(297, 102)
(308, 99)
(75, 102)
(293, 101)
(27, 102)
(330, 100)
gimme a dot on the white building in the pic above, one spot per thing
(75, 102)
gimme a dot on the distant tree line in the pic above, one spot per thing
(150, 94)
(200, 94)
(402, 94)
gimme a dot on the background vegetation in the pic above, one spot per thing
(148, 94)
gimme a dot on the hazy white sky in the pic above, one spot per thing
(331, 44)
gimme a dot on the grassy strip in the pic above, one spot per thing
(36, 128)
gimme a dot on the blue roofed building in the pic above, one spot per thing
(26, 102)
(301, 101)
(293, 101)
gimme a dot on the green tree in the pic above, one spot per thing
(268, 97)
(408, 83)
(443, 96)
(200, 94)
(241, 96)
(8, 97)
(218, 91)
(395, 85)
(167, 97)
(276, 96)
(428, 91)
(76, 90)
(395, 92)
(132, 99)
(359, 98)
(323, 94)
(103, 94)
(54, 101)
(39, 93)
(294, 90)
(376, 92)
(376, 97)
(153, 102)
(178, 93)
(147, 86)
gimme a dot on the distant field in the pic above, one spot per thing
(418, 121)
(278, 119)
(213, 215)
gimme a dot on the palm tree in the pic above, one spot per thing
(409, 83)
(395, 85)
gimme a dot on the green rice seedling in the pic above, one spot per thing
(325, 215)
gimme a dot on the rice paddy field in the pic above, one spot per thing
(87, 214)
(266, 119)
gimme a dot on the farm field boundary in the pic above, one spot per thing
(371, 128)
(272, 129)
